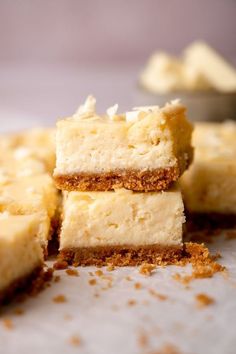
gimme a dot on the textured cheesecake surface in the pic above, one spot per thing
(35, 194)
(120, 222)
(146, 149)
(20, 252)
(209, 186)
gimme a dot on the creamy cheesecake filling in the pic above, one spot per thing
(20, 253)
(92, 219)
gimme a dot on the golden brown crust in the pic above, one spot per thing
(136, 180)
(122, 255)
(19, 285)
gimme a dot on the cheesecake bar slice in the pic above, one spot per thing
(35, 194)
(21, 257)
(209, 186)
(146, 149)
(122, 227)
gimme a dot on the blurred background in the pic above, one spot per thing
(53, 53)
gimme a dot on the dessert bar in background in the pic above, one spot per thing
(209, 186)
(20, 253)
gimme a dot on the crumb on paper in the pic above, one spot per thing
(18, 311)
(60, 264)
(230, 235)
(59, 299)
(204, 300)
(132, 302)
(75, 340)
(7, 323)
(147, 269)
(91, 274)
(92, 281)
(143, 340)
(96, 295)
(67, 317)
(72, 272)
(128, 278)
(110, 268)
(99, 273)
(159, 296)
(166, 349)
(57, 278)
(137, 286)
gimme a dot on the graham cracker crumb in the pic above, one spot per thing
(132, 302)
(60, 264)
(146, 269)
(110, 268)
(75, 340)
(166, 349)
(137, 286)
(57, 278)
(7, 323)
(143, 340)
(157, 295)
(96, 295)
(128, 278)
(18, 311)
(72, 272)
(204, 300)
(99, 273)
(91, 274)
(230, 235)
(59, 299)
(92, 282)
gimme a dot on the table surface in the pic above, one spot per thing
(107, 323)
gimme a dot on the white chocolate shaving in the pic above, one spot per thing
(111, 111)
(87, 109)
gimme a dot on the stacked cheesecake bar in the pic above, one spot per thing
(28, 207)
(122, 204)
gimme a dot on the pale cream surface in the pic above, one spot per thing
(20, 251)
(210, 183)
(121, 218)
(30, 195)
(93, 144)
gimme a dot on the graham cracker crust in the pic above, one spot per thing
(136, 180)
(121, 255)
(209, 221)
(19, 285)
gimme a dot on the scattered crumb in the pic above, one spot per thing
(91, 274)
(7, 323)
(146, 269)
(96, 295)
(132, 302)
(128, 278)
(68, 317)
(75, 340)
(166, 349)
(18, 311)
(57, 278)
(110, 268)
(204, 300)
(72, 272)
(157, 295)
(59, 299)
(143, 340)
(230, 234)
(99, 273)
(137, 286)
(60, 264)
(41, 282)
(92, 282)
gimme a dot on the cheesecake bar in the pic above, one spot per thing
(21, 257)
(209, 186)
(122, 227)
(34, 194)
(146, 149)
